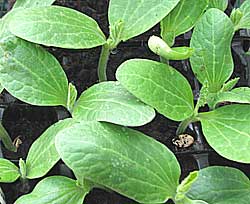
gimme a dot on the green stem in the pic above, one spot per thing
(184, 124)
(103, 61)
(163, 60)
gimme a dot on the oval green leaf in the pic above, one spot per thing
(212, 59)
(121, 159)
(136, 17)
(8, 171)
(31, 74)
(221, 185)
(227, 131)
(55, 190)
(181, 19)
(42, 155)
(158, 85)
(57, 26)
(110, 102)
(32, 3)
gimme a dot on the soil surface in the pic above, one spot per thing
(28, 122)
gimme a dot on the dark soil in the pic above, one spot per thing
(29, 122)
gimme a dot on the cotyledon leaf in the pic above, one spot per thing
(32, 3)
(55, 190)
(110, 102)
(227, 131)
(244, 21)
(42, 155)
(212, 59)
(181, 19)
(221, 185)
(56, 26)
(8, 171)
(137, 16)
(158, 85)
(31, 74)
(121, 159)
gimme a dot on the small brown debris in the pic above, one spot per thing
(183, 141)
(17, 142)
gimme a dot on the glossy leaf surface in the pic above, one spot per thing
(32, 3)
(42, 155)
(54, 190)
(120, 159)
(31, 74)
(57, 26)
(227, 130)
(8, 171)
(219, 4)
(182, 18)
(221, 185)
(159, 86)
(136, 17)
(110, 102)
(211, 40)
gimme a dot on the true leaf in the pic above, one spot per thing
(32, 3)
(227, 131)
(8, 171)
(57, 26)
(221, 185)
(244, 21)
(72, 95)
(161, 48)
(158, 85)
(219, 4)
(211, 40)
(55, 189)
(237, 95)
(181, 19)
(110, 102)
(31, 74)
(130, 18)
(121, 159)
(230, 84)
(42, 155)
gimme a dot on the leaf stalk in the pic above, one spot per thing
(103, 61)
